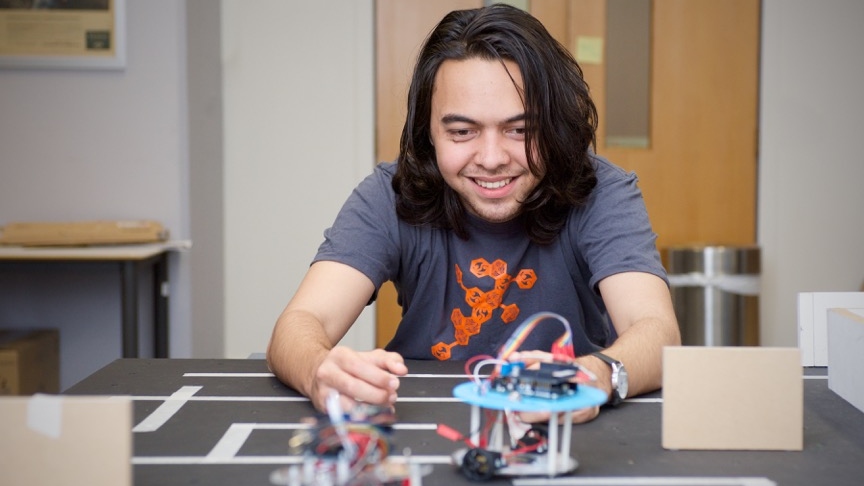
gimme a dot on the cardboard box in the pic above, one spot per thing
(82, 233)
(29, 362)
(733, 398)
(53, 439)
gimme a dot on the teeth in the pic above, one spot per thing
(493, 185)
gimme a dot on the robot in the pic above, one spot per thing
(557, 388)
(340, 449)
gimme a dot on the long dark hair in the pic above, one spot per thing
(560, 125)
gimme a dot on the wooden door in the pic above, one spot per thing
(698, 174)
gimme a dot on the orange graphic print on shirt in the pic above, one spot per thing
(483, 303)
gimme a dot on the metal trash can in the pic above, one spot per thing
(715, 292)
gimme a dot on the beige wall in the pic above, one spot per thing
(298, 136)
(811, 165)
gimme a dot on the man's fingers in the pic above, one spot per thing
(585, 415)
(388, 361)
(347, 403)
(532, 358)
(579, 416)
(350, 382)
(374, 369)
(367, 377)
(534, 417)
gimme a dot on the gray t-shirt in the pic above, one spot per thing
(461, 298)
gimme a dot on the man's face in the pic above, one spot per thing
(478, 129)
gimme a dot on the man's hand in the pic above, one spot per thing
(303, 354)
(370, 377)
(534, 358)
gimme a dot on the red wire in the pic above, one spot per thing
(525, 449)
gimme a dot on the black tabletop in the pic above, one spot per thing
(228, 422)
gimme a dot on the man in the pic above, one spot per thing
(496, 209)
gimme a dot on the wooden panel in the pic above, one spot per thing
(401, 28)
(586, 19)
(554, 16)
(699, 176)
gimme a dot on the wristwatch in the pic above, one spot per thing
(619, 379)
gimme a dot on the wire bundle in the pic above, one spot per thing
(562, 348)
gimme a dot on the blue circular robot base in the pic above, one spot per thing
(584, 397)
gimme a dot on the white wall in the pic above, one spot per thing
(97, 144)
(811, 163)
(299, 134)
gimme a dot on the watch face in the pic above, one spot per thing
(623, 383)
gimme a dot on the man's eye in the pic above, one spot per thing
(517, 132)
(461, 134)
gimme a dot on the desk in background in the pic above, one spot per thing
(131, 260)
(208, 398)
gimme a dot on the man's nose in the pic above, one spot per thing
(492, 152)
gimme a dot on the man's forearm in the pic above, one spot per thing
(297, 347)
(641, 309)
(640, 349)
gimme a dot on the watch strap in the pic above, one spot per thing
(610, 361)
(615, 365)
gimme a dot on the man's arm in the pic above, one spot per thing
(301, 352)
(640, 308)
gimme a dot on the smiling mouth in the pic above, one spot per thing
(492, 185)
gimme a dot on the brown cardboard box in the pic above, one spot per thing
(80, 233)
(56, 439)
(29, 362)
(732, 398)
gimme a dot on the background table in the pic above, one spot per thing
(131, 260)
(213, 402)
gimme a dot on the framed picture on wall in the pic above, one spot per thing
(76, 34)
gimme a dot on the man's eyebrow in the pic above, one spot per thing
(456, 118)
(517, 118)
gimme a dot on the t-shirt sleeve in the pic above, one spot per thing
(613, 233)
(365, 232)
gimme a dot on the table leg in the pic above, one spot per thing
(129, 308)
(160, 303)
